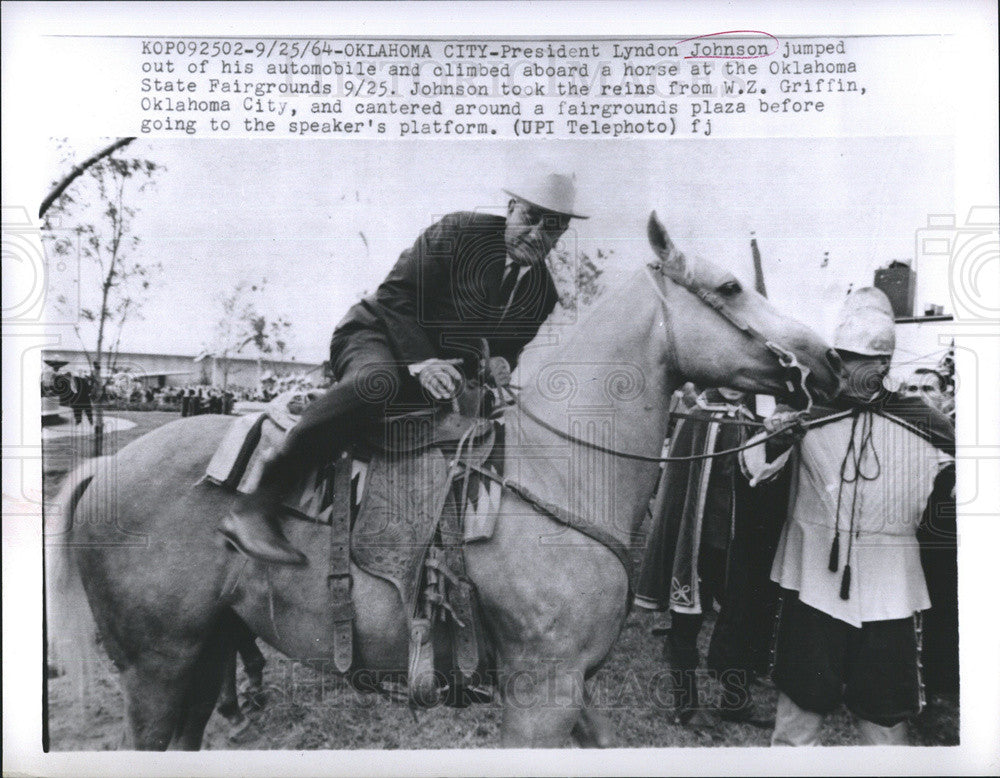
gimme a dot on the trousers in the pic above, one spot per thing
(371, 382)
(821, 663)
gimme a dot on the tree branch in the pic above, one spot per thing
(77, 171)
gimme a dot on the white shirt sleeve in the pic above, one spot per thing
(754, 464)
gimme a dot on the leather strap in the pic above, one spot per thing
(639, 457)
(568, 519)
(464, 638)
(339, 578)
(422, 686)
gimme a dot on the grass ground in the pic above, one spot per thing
(306, 710)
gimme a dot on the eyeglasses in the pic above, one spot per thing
(549, 220)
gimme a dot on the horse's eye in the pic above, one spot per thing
(730, 288)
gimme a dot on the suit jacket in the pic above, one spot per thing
(442, 296)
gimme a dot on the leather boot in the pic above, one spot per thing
(737, 704)
(683, 677)
(254, 527)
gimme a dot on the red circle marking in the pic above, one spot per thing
(731, 32)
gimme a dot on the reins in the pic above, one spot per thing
(642, 457)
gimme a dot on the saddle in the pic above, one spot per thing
(400, 504)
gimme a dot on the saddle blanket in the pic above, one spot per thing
(239, 460)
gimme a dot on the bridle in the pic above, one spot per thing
(797, 375)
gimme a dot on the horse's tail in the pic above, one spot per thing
(69, 623)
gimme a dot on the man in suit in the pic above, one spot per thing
(83, 387)
(467, 277)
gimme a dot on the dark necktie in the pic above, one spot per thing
(508, 283)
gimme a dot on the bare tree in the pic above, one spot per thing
(91, 217)
(269, 337)
(241, 328)
(227, 340)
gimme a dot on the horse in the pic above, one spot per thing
(136, 535)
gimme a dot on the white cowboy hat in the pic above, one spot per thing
(865, 325)
(552, 191)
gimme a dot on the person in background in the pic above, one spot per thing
(82, 387)
(712, 542)
(848, 561)
(930, 386)
(938, 536)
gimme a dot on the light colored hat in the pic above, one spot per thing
(865, 325)
(552, 191)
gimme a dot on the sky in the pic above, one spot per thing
(323, 221)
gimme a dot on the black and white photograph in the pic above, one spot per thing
(396, 402)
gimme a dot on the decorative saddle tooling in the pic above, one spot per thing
(399, 504)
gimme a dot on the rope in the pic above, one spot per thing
(673, 414)
(856, 457)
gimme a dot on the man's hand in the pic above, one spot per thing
(689, 395)
(788, 425)
(441, 378)
(498, 369)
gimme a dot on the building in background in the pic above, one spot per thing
(165, 370)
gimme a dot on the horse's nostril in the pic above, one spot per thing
(834, 359)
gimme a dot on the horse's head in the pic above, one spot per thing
(726, 334)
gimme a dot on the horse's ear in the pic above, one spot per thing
(674, 263)
(658, 238)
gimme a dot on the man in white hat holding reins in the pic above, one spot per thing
(848, 561)
(470, 276)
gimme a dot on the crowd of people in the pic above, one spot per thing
(194, 402)
(75, 389)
